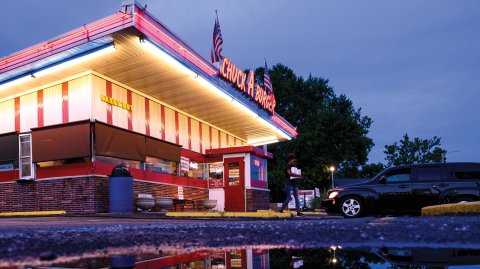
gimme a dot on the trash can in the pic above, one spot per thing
(121, 190)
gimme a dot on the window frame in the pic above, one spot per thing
(20, 156)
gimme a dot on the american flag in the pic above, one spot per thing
(266, 81)
(217, 42)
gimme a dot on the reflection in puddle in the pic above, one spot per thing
(253, 258)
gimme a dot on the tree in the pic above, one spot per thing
(331, 130)
(416, 150)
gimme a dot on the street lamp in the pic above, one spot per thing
(332, 169)
(444, 155)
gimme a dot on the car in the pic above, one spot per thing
(407, 189)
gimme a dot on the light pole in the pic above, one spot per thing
(332, 169)
(444, 155)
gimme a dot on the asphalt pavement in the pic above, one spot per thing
(33, 239)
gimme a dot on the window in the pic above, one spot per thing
(117, 161)
(432, 173)
(402, 175)
(258, 168)
(25, 160)
(192, 168)
(160, 166)
(468, 175)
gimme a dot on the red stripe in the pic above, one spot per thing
(65, 102)
(177, 137)
(219, 139)
(162, 109)
(147, 116)
(40, 108)
(192, 155)
(129, 101)
(200, 134)
(189, 133)
(17, 114)
(109, 106)
(210, 136)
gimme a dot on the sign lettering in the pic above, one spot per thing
(246, 84)
(115, 102)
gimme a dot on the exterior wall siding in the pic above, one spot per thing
(28, 112)
(62, 103)
(79, 99)
(7, 112)
(162, 123)
(52, 105)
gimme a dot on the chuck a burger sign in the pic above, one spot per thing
(246, 83)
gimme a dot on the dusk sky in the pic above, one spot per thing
(412, 66)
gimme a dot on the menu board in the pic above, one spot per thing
(233, 174)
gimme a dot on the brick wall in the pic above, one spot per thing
(159, 190)
(83, 195)
(257, 200)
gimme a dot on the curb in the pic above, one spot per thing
(262, 214)
(32, 213)
(452, 209)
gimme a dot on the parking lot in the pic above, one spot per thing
(27, 238)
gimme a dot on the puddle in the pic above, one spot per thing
(258, 258)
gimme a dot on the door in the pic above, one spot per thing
(236, 259)
(234, 184)
(395, 191)
(430, 182)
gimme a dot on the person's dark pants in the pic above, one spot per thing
(289, 188)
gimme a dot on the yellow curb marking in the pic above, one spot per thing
(452, 209)
(258, 214)
(31, 213)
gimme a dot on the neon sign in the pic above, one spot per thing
(246, 84)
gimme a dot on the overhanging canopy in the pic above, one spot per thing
(172, 73)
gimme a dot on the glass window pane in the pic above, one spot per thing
(26, 170)
(401, 175)
(467, 175)
(160, 166)
(431, 173)
(258, 168)
(25, 149)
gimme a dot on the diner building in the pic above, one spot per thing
(127, 90)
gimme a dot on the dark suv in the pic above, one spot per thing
(407, 189)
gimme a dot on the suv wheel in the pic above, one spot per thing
(351, 207)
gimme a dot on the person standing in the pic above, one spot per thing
(292, 175)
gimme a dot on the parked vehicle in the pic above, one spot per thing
(406, 189)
